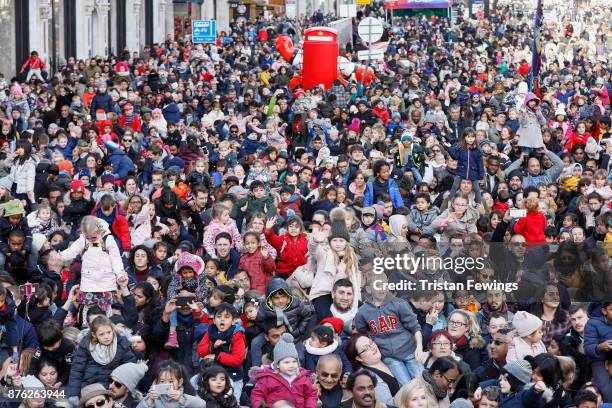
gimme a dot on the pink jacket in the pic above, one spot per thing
(260, 270)
(99, 268)
(272, 387)
(215, 228)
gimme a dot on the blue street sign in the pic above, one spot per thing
(203, 31)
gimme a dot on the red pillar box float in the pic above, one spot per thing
(320, 61)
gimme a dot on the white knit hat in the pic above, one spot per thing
(525, 323)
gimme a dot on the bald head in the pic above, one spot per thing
(533, 165)
(329, 369)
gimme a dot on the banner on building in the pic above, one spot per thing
(416, 4)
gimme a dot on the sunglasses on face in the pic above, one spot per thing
(116, 383)
(98, 403)
(331, 375)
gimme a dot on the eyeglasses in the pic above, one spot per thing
(450, 381)
(98, 403)
(334, 376)
(368, 347)
(456, 323)
(127, 140)
(442, 344)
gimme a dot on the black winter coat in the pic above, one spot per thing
(101, 101)
(298, 313)
(86, 371)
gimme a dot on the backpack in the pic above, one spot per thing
(104, 248)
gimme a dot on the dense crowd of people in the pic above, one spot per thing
(181, 228)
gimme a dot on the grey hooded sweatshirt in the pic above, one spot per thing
(392, 326)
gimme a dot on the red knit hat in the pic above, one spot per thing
(77, 186)
(337, 323)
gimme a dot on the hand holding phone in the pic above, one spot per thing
(163, 389)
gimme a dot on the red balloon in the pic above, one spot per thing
(284, 45)
(369, 74)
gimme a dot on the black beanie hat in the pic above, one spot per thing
(338, 225)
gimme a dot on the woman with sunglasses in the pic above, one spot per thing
(95, 396)
(363, 352)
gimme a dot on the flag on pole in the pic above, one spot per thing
(536, 60)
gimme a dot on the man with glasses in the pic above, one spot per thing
(95, 396)
(123, 384)
(329, 371)
(439, 379)
(498, 349)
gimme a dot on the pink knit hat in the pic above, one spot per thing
(187, 260)
(354, 126)
(16, 90)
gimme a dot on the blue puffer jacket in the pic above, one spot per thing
(172, 113)
(122, 164)
(86, 371)
(394, 192)
(470, 166)
(597, 330)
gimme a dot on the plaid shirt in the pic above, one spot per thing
(550, 330)
(340, 93)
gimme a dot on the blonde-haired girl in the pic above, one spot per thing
(333, 262)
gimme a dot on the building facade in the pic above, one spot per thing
(59, 29)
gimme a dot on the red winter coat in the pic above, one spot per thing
(294, 205)
(120, 227)
(136, 124)
(382, 114)
(260, 270)
(234, 358)
(524, 69)
(532, 227)
(272, 387)
(291, 251)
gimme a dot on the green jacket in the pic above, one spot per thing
(264, 205)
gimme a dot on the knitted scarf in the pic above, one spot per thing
(102, 354)
(439, 393)
(486, 310)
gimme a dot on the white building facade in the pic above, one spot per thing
(59, 29)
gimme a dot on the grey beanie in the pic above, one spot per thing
(519, 369)
(461, 403)
(129, 374)
(285, 348)
(338, 225)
